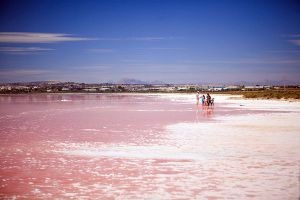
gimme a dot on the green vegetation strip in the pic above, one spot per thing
(269, 94)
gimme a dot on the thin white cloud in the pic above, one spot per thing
(293, 39)
(29, 37)
(136, 38)
(24, 72)
(295, 42)
(283, 51)
(103, 50)
(90, 67)
(248, 61)
(33, 74)
(75, 73)
(292, 35)
(23, 50)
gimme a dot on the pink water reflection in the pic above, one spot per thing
(118, 146)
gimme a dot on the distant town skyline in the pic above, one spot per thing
(168, 41)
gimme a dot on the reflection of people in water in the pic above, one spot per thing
(204, 112)
(208, 111)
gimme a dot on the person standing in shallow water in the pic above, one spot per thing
(203, 100)
(197, 97)
(208, 97)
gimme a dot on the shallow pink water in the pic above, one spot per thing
(117, 146)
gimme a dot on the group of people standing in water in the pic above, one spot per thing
(206, 101)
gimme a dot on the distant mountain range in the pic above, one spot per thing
(137, 82)
(249, 83)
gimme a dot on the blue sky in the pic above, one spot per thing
(171, 41)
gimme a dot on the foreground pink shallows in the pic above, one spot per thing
(118, 146)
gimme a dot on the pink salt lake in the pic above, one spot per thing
(136, 146)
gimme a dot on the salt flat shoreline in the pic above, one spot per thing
(235, 100)
(240, 96)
